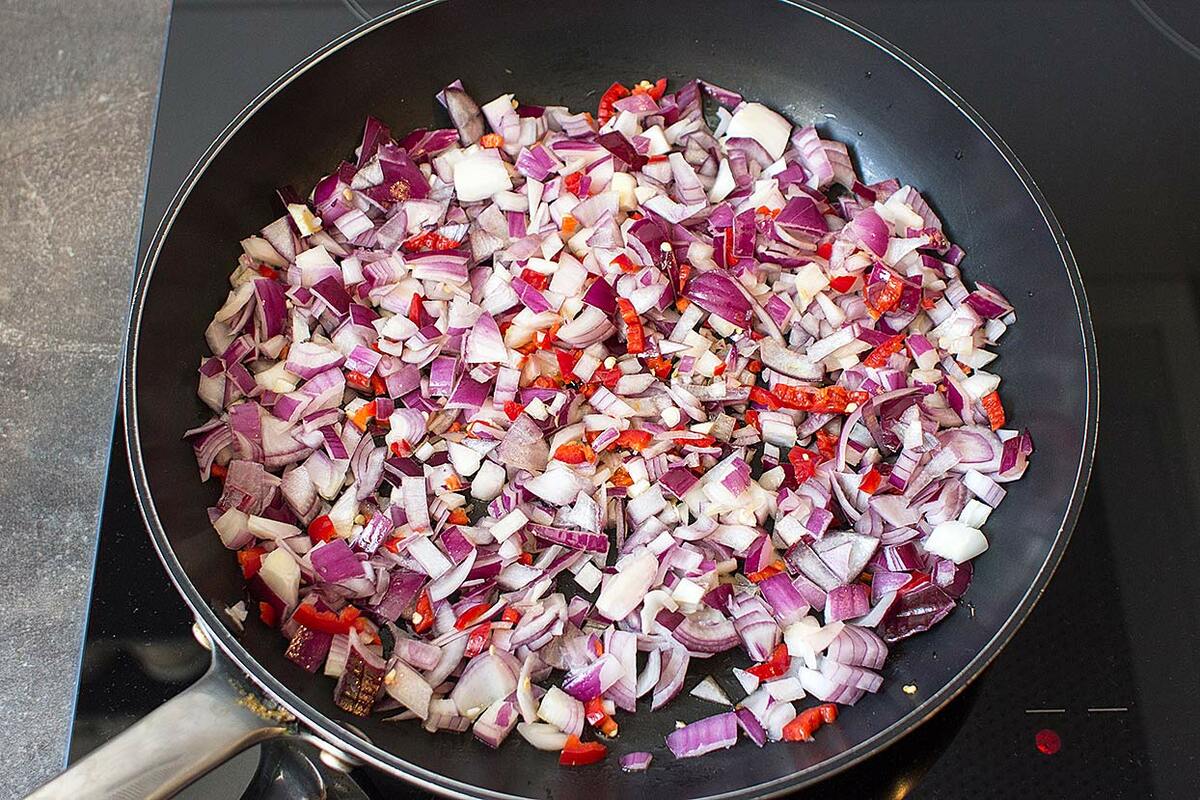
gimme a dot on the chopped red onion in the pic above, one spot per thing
(464, 368)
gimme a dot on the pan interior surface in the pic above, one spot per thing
(811, 69)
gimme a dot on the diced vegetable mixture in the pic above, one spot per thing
(519, 421)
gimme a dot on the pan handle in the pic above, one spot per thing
(208, 723)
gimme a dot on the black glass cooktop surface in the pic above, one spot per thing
(1096, 695)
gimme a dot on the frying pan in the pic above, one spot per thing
(811, 65)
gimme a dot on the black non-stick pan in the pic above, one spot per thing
(811, 65)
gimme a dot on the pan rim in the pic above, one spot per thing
(335, 733)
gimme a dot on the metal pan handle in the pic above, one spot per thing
(208, 723)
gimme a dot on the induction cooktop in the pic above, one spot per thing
(1096, 694)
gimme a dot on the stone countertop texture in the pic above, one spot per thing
(76, 110)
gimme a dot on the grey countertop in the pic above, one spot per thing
(76, 109)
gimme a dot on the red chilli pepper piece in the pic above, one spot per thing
(625, 263)
(471, 616)
(661, 367)
(883, 298)
(804, 463)
(574, 453)
(415, 309)
(828, 711)
(598, 718)
(429, 240)
(608, 377)
(774, 568)
(513, 409)
(611, 95)
(511, 615)
(356, 380)
(774, 666)
(635, 334)
(572, 182)
(538, 280)
(825, 250)
(422, 618)
(995, 411)
(870, 481)
(637, 441)
(268, 614)
(827, 444)
(306, 614)
(764, 398)
(880, 355)
(802, 728)
(321, 529)
(363, 415)
(655, 90)
(578, 754)
(250, 560)
(477, 640)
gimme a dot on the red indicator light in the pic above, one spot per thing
(1048, 742)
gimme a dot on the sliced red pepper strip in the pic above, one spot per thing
(995, 410)
(696, 441)
(827, 399)
(774, 666)
(577, 754)
(415, 308)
